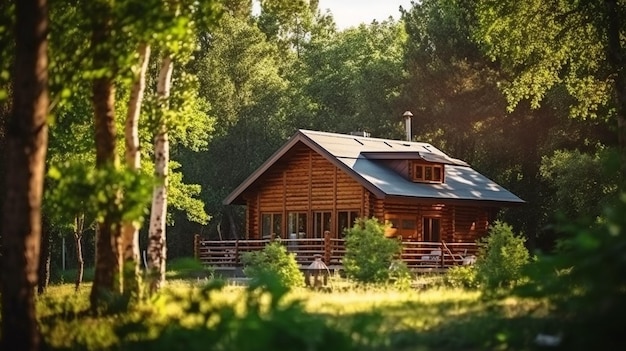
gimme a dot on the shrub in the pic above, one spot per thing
(400, 275)
(368, 253)
(461, 277)
(273, 260)
(584, 280)
(501, 257)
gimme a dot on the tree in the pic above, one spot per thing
(108, 272)
(27, 137)
(176, 42)
(453, 89)
(158, 214)
(130, 229)
(240, 76)
(573, 45)
(352, 80)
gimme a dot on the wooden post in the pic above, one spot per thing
(196, 246)
(236, 258)
(327, 247)
(441, 261)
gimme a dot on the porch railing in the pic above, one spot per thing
(418, 255)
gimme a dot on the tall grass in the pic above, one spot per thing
(193, 314)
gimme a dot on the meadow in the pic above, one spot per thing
(195, 313)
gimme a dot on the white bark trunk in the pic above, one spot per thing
(130, 230)
(157, 248)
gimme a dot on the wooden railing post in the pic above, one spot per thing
(442, 245)
(327, 247)
(196, 246)
(236, 258)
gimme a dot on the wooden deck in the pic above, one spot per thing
(419, 256)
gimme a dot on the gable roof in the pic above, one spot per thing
(358, 155)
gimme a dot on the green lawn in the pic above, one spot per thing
(189, 316)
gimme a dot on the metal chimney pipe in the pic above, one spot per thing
(407, 123)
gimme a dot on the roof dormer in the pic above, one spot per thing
(426, 172)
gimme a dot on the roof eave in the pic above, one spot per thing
(238, 191)
(459, 201)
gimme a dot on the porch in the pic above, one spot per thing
(419, 256)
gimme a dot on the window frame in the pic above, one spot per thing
(275, 222)
(424, 172)
(350, 217)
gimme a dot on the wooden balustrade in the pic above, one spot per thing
(418, 255)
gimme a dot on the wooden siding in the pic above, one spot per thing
(305, 182)
(471, 223)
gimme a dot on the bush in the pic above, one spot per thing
(461, 277)
(400, 275)
(501, 257)
(273, 260)
(368, 253)
(584, 280)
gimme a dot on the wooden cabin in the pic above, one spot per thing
(321, 182)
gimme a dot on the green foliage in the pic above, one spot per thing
(275, 260)
(400, 275)
(462, 277)
(265, 320)
(544, 44)
(181, 196)
(501, 257)
(258, 317)
(79, 188)
(369, 253)
(585, 281)
(337, 76)
(582, 182)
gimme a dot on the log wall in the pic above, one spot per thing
(304, 181)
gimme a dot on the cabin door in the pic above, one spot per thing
(431, 229)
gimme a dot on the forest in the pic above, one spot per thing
(124, 125)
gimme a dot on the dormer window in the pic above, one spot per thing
(427, 172)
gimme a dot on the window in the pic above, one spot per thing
(431, 229)
(428, 172)
(296, 223)
(321, 224)
(345, 220)
(403, 224)
(271, 223)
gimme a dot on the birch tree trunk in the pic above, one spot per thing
(157, 248)
(130, 230)
(79, 227)
(25, 154)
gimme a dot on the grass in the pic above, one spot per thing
(375, 318)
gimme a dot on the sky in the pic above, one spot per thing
(349, 13)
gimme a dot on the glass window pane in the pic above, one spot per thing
(418, 172)
(266, 225)
(437, 174)
(278, 224)
(342, 222)
(408, 224)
